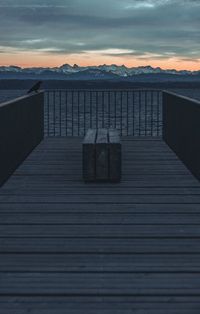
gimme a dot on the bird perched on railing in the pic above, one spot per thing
(35, 88)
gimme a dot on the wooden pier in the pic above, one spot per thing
(71, 247)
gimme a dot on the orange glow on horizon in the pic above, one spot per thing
(29, 59)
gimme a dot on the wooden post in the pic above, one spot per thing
(88, 158)
(115, 155)
(102, 158)
(102, 155)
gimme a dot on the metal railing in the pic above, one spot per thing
(132, 112)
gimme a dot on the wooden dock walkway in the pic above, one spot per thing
(71, 247)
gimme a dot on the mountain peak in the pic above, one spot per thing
(65, 65)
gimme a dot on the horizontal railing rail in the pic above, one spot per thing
(133, 112)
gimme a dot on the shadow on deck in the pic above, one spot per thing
(71, 247)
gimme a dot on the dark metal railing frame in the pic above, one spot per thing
(103, 108)
(181, 129)
(21, 130)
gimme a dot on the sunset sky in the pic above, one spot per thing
(164, 33)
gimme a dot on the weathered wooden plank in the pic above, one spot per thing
(128, 165)
(139, 158)
(87, 189)
(100, 245)
(129, 187)
(103, 198)
(114, 137)
(47, 169)
(80, 217)
(88, 156)
(98, 284)
(98, 208)
(65, 310)
(105, 305)
(102, 136)
(101, 231)
(115, 156)
(134, 263)
(75, 172)
(103, 302)
(173, 181)
(90, 137)
(102, 155)
(151, 162)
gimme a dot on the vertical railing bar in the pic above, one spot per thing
(161, 112)
(54, 111)
(60, 113)
(66, 115)
(152, 98)
(97, 109)
(78, 111)
(145, 113)
(90, 109)
(127, 113)
(48, 111)
(109, 109)
(158, 111)
(84, 122)
(121, 112)
(115, 108)
(139, 124)
(72, 114)
(103, 104)
(133, 101)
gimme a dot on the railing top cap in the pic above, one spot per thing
(103, 90)
(14, 100)
(193, 100)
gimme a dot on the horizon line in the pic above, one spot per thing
(98, 65)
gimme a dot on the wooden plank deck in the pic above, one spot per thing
(71, 247)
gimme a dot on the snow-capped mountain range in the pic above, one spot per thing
(101, 71)
(114, 69)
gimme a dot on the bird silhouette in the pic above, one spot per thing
(35, 88)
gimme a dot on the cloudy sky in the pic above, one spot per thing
(163, 33)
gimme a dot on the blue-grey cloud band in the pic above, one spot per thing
(158, 28)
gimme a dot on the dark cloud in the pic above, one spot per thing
(190, 60)
(159, 28)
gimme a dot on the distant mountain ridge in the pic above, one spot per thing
(113, 71)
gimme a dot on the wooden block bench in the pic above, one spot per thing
(102, 155)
